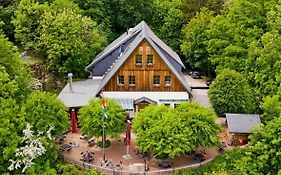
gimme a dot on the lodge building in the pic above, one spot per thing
(136, 69)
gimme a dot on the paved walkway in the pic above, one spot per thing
(199, 95)
(116, 152)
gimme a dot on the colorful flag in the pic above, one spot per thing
(104, 107)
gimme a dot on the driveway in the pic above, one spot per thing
(199, 90)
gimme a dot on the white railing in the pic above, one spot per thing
(109, 171)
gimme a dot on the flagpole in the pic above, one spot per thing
(103, 138)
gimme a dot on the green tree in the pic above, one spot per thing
(231, 33)
(124, 14)
(11, 126)
(231, 93)
(170, 29)
(91, 116)
(194, 45)
(167, 22)
(225, 164)
(69, 40)
(96, 10)
(264, 70)
(6, 13)
(264, 153)
(168, 133)
(43, 110)
(201, 121)
(159, 130)
(13, 69)
(271, 108)
(8, 87)
(26, 22)
(191, 7)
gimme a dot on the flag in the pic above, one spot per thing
(103, 106)
(103, 103)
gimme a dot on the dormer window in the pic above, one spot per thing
(138, 60)
(121, 80)
(132, 80)
(167, 81)
(150, 60)
(156, 80)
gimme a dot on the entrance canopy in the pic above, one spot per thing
(144, 99)
(126, 103)
(152, 97)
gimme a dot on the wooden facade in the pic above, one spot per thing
(146, 66)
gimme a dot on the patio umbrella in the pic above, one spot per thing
(128, 133)
(73, 121)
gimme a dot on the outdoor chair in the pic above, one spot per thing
(91, 142)
(165, 164)
(222, 147)
(199, 156)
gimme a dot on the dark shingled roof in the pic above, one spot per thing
(242, 123)
(114, 55)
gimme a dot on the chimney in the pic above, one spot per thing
(70, 75)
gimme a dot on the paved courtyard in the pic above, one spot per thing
(116, 152)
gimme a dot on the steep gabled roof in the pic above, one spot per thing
(132, 32)
(136, 35)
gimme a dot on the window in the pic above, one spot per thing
(140, 50)
(138, 60)
(149, 60)
(167, 81)
(176, 105)
(148, 50)
(132, 81)
(121, 80)
(156, 80)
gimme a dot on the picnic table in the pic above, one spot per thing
(65, 147)
(87, 156)
(59, 139)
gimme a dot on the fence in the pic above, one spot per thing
(109, 171)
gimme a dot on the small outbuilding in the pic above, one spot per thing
(240, 126)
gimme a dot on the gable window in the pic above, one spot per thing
(138, 60)
(121, 80)
(156, 80)
(148, 50)
(167, 81)
(141, 49)
(150, 60)
(132, 80)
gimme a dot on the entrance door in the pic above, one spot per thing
(142, 105)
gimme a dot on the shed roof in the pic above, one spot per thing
(242, 123)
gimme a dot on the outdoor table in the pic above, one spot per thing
(88, 156)
(65, 147)
(59, 139)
